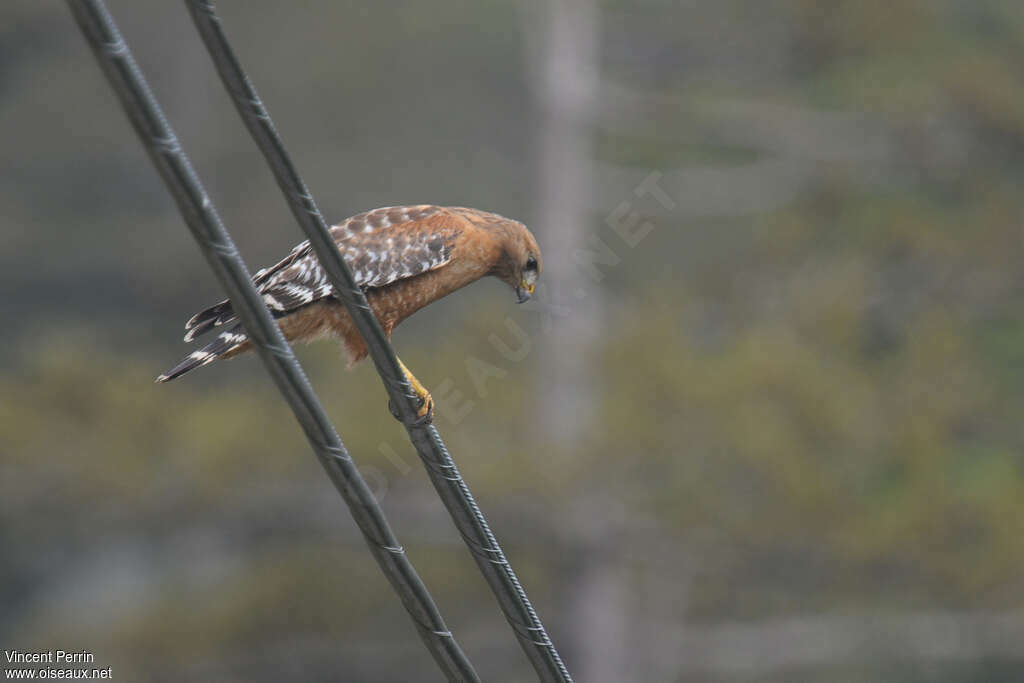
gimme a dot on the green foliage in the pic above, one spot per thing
(810, 409)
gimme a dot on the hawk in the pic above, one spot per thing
(404, 258)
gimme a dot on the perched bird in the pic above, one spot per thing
(404, 257)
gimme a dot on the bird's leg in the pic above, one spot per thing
(426, 402)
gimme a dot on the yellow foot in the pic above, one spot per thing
(425, 402)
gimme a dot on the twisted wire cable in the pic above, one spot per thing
(195, 205)
(453, 491)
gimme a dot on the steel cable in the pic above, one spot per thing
(146, 116)
(468, 519)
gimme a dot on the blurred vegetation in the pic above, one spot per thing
(814, 409)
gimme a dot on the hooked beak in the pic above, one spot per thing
(523, 293)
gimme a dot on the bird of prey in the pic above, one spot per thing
(404, 258)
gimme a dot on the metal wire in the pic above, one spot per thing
(110, 49)
(442, 471)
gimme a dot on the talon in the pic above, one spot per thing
(424, 413)
(394, 410)
(424, 401)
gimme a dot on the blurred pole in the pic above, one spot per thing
(567, 72)
(568, 81)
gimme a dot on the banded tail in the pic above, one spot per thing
(228, 342)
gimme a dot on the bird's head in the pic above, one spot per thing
(520, 262)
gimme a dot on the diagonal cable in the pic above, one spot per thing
(444, 475)
(110, 49)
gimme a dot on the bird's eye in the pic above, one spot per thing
(531, 263)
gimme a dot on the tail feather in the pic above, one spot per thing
(207, 319)
(222, 313)
(225, 343)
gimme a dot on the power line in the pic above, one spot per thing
(195, 205)
(440, 467)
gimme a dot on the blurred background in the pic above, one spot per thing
(762, 422)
